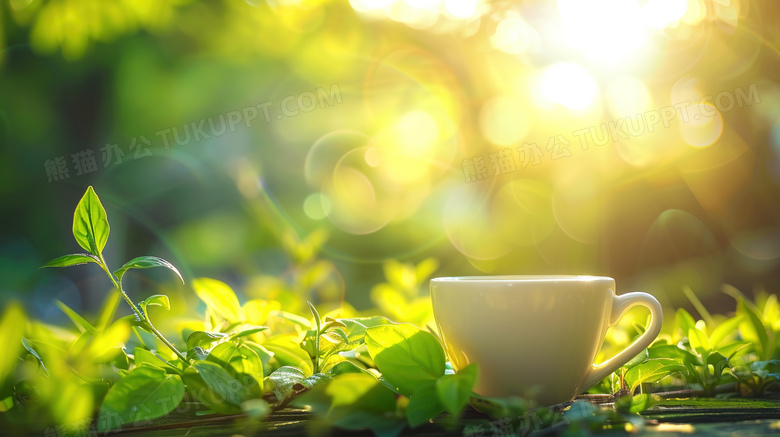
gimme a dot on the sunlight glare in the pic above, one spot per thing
(570, 85)
(503, 121)
(423, 4)
(417, 133)
(513, 35)
(462, 8)
(316, 206)
(610, 32)
(662, 13)
(627, 96)
(370, 5)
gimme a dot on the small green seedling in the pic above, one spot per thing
(91, 229)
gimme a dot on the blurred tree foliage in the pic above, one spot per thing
(114, 91)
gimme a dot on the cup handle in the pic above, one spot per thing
(620, 305)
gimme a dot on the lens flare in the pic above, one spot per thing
(325, 153)
(522, 211)
(370, 5)
(611, 33)
(317, 206)
(578, 205)
(417, 133)
(356, 208)
(702, 125)
(470, 227)
(627, 96)
(504, 121)
(570, 85)
(514, 35)
(462, 8)
(662, 13)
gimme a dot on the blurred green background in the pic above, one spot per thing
(293, 147)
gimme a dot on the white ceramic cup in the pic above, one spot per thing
(541, 332)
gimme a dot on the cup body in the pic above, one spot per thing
(527, 334)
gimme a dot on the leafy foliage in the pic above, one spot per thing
(351, 372)
(144, 394)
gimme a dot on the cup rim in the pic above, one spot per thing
(523, 278)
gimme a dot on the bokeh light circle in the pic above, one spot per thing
(701, 125)
(570, 85)
(504, 121)
(522, 210)
(326, 152)
(470, 226)
(627, 96)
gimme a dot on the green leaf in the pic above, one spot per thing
(223, 386)
(219, 297)
(335, 336)
(242, 364)
(309, 343)
(772, 367)
(738, 296)
(108, 310)
(316, 379)
(638, 359)
(90, 223)
(634, 404)
(771, 313)
(731, 349)
(248, 331)
(651, 370)
(356, 327)
(424, 405)
(361, 391)
(700, 308)
(159, 300)
(226, 354)
(331, 323)
(672, 351)
(143, 356)
(105, 344)
(72, 260)
(316, 316)
(699, 341)
(406, 355)
(332, 344)
(33, 352)
(455, 390)
(718, 362)
(203, 339)
(250, 369)
(145, 393)
(287, 352)
(292, 318)
(80, 322)
(725, 329)
(345, 367)
(78, 345)
(684, 321)
(264, 354)
(426, 268)
(284, 379)
(354, 401)
(197, 353)
(146, 262)
(754, 328)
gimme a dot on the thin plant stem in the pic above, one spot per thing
(141, 316)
